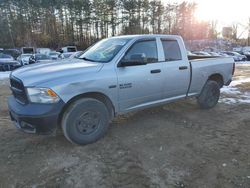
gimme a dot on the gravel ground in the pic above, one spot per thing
(175, 145)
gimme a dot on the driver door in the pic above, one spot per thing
(140, 84)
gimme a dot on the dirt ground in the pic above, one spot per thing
(175, 145)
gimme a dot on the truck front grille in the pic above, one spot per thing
(18, 90)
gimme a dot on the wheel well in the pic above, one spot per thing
(95, 95)
(218, 78)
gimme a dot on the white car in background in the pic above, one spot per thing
(201, 53)
(24, 59)
(39, 58)
(235, 55)
(76, 54)
(54, 55)
(70, 55)
(247, 54)
(214, 54)
(65, 55)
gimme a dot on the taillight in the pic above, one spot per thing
(233, 69)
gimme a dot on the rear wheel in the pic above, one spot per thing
(85, 121)
(210, 95)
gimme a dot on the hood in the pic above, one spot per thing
(8, 61)
(39, 73)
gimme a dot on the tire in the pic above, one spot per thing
(209, 95)
(85, 121)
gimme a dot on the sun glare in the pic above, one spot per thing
(226, 12)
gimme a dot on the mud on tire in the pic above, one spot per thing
(85, 121)
(209, 95)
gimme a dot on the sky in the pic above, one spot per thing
(226, 12)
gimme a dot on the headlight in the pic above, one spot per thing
(42, 95)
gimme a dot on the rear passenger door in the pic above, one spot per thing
(140, 85)
(176, 71)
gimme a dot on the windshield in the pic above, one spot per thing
(4, 56)
(105, 50)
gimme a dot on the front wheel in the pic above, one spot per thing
(210, 95)
(85, 121)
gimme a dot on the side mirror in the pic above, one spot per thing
(135, 59)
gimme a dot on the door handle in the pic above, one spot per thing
(155, 71)
(183, 67)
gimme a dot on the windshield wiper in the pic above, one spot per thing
(87, 59)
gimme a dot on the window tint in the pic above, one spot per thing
(171, 50)
(143, 50)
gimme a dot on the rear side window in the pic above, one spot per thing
(145, 49)
(71, 49)
(171, 50)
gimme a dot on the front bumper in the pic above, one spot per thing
(35, 118)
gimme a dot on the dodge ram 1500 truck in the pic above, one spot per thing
(114, 76)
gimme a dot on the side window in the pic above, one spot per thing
(145, 51)
(171, 50)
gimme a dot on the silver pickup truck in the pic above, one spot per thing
(114, 76)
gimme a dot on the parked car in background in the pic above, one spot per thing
(214, 54)
(246, 49)
(237, 49)
(39, 58)
(43, 51)
(247, 54)
(28, 50)
(202, 53)
(70, 55)
(236, 56)
(189, 53)
(223, 54)
(76, 54)
(54, 55)
(66, 55)
(24, 59)
(69, 49)
(12, 52)
(8, 63)
(1, 50)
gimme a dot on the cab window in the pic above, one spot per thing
(171, 49)
(145, 51)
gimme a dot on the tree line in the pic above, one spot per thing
(55, 23)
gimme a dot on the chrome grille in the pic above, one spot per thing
(18, 90)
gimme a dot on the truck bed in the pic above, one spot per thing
(202, 68)
(193, 57)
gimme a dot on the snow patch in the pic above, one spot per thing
(242, 62)
(234, 101)
(4, 75)
(232, 94)
(240, 81)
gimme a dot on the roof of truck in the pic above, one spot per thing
(147, 36)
